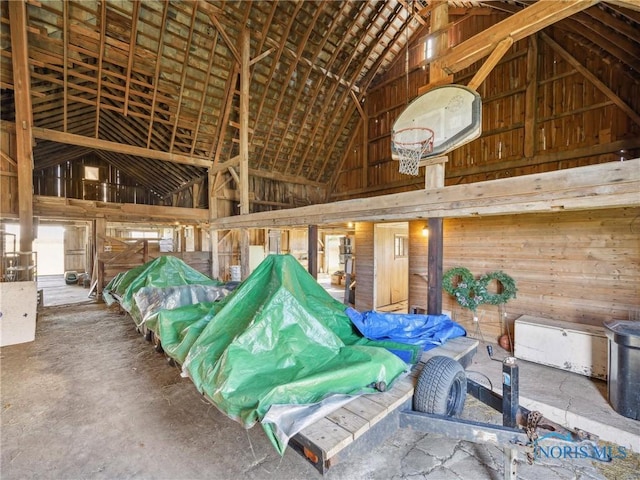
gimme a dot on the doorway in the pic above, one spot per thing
(391, 267)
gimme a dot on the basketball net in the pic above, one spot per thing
(411, 144)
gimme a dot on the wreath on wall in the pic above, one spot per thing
(470, 293)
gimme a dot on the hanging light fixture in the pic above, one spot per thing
(425, 231)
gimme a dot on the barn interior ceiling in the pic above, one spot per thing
(164, 77)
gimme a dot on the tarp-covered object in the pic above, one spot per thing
(164, 271)
(179, 328)
(282, 339)
(428, 331)
(150, 301)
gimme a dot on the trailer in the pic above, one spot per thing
(429, 399)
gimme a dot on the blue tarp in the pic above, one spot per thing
(428, 331)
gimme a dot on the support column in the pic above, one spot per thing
(313, 251)
(213, 234)
(435, 173)
(23, 112)
(100, 232)
(245, 78)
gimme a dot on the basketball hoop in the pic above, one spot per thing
(409, 145)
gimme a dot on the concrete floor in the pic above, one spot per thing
(91, 399)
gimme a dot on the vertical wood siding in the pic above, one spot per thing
(581, 267)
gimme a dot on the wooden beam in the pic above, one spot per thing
(67, 208)
(24, 121)
(229, 92)
(261, 56)
(98, 144)
(132, 48)
(7, 158)
(599, 84)
(213, 234)
(358, 106)
(245, 79)
(156, 75)
(520, 25)
(221, 31)
(65, 60)
(234, 174)
(605, 185)
(503, 46)
(183, 77)
(221, 167)
(103, 40)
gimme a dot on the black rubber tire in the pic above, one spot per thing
(441, 388)
(155, 341)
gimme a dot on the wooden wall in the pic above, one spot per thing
(364, 263)
(581, 267)
(418, 265)
(541, 112)
(67, 180)
(8, 175)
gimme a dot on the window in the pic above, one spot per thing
(92, 173)
(401, 246)
(428, 48)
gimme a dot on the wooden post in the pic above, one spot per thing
(312, 264)
(23, 112)
(434, 274)
(245, 78)
(213, 233)
(100, 232)
(435, 173)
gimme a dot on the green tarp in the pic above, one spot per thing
(280, 338)
(164, 271)
(178, 329)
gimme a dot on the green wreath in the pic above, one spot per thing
(471, 293)
(508, 288)
(466, 292)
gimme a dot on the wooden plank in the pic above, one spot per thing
(328, 436)
(367, 408)
(350, 421)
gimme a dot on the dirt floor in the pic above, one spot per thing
(91, 399)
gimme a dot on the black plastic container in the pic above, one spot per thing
(624, 367)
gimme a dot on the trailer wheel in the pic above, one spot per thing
(441, 388)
